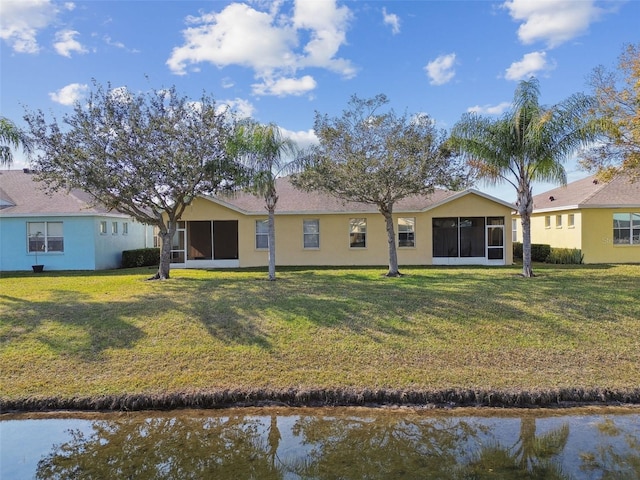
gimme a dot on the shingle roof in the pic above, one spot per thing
(591, 193)
(291, 200)
(22, 195)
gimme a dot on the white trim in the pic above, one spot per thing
(207, 264)
(467, 261)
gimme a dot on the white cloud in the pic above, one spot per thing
(114, 43)
(21, 20)
(328, 25)
(303, 138)
(490, 109)
(242, 108)
(282, 87)
(269, 42)
(70, 94)
(552, 21)
(441, 70)
(530, 65)
(66, 43)
(392, 20)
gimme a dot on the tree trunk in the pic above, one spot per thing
(272, 244)
(391, 239)
(525, 207)
(165, 257)
(166, 239)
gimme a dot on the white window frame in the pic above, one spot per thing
(633, 228)
(558, 221)
(514, 229)
(262, 234)
(308, 235)
(48, 238)
(547, 221)
(103, 227)
(114, 228)
(125, 228)
(409, 229)
(357, 226)
(571, 220)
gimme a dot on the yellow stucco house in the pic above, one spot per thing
(444, 228)
(602, 219)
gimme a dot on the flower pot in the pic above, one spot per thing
(37, 268)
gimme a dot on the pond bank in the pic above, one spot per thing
(226, 398)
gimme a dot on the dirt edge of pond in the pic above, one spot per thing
(343, 397)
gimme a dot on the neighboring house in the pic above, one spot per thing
(445, 228)
(64, 229)
(602, 219)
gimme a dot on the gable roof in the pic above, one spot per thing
(590, 193)
(22, 195)
(294, 201)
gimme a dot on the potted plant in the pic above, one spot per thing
(37, 268)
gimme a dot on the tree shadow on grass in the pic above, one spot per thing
(71, 324)
(368, 304)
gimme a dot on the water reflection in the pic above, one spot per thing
(326, 444)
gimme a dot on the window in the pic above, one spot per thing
(103, 228)
(571, 220)
(514, 229)
(626, 228)
(547, 221)
(262, 234)
(125, 228)
(358, 232)
(311, 233)
(114, 228)
(558, 221)
(406, 232)
(45, 237)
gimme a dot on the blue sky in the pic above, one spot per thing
(281, 61)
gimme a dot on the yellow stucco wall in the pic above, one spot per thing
(592, 233)
(559, 236)
(334, 233)
(597, 238)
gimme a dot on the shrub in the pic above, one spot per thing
(565, 256)
(141, 257)
(517, 250)
(540, 252)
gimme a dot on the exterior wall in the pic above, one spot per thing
(597, 238)
(334, 247)
(563, 236)
(592, 233)
(108, 249)
(83, 249)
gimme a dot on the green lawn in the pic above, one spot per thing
(69, 335)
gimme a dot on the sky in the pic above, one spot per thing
(283, 61)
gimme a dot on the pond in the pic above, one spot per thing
(324, 443)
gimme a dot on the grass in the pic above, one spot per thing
(68, 335)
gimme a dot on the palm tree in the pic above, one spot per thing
(11, 137)
(263, 150)
(529, 143)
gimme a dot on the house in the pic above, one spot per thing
(602, 219)
(64, 229)
(444, 228)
